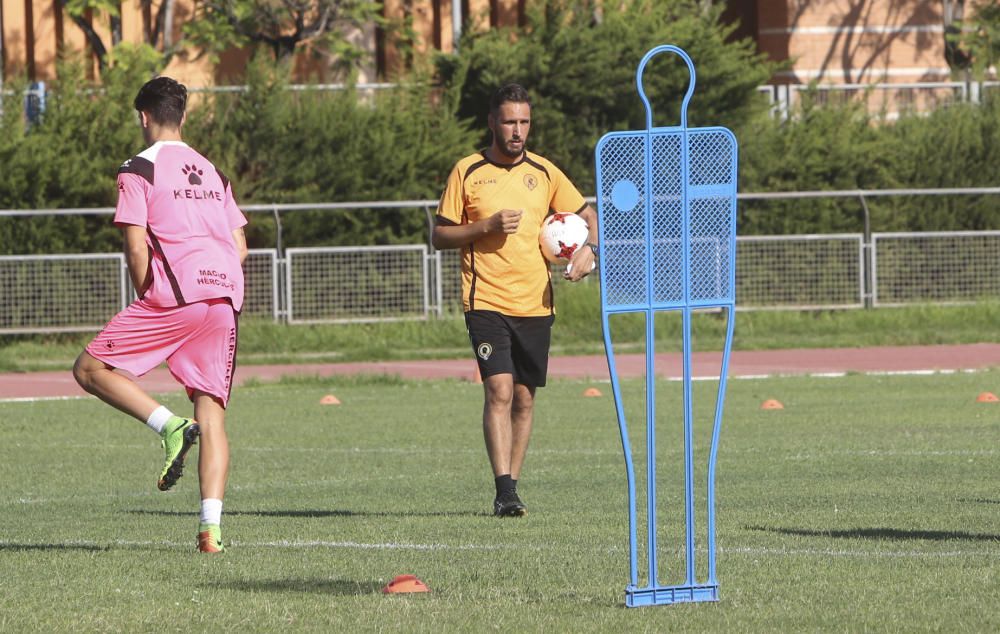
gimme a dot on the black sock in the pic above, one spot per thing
(514, 482)
(503, 484)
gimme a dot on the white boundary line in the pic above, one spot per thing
(35, 399)
(742, 377)
(822, 552)
(389, 546)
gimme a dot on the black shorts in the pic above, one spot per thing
(511, 345)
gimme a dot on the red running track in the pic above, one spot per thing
(903, 359)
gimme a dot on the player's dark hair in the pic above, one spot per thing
(163, 99)
(511, 93)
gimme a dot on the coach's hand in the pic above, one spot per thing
(505, 221)
(580, 265)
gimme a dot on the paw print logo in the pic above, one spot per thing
(110, 345)
(193, 173)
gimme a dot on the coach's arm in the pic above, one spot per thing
(447, 235)
(584, 258)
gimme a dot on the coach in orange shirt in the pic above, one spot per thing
(492, 208)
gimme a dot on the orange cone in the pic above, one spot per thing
(987, 397)
(329, 399)
(405, 584)
(771, 404)
(592, 391)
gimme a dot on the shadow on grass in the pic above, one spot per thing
(19, 547)
(897, 534)
(316, 513)
(341, 587)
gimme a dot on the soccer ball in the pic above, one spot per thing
(561, 236)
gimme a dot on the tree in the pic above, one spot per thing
(952, 14)
(155, 31)
(578, 58)
(972, 36)
(282, 25)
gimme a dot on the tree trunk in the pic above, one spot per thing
(953, 12)
(93, 39)
(168, 25)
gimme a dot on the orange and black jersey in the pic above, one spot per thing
(502, 272)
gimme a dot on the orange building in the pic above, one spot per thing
(832, 41)
(849, 41)
(847, 46)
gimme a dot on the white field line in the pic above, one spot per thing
(888, 453)
(282, 544)
(823, 552)
(715, 377)
(836, 374)
(617, 451)
(35, 399)
(390, 546)
(636, 454)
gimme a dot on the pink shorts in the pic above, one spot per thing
(198, 342)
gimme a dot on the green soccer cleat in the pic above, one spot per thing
(210, 539)
(177, 437)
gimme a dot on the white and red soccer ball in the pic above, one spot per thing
(561, 236)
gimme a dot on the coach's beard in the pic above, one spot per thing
(509, 152)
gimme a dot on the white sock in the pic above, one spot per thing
(159, 418)
(211, 511)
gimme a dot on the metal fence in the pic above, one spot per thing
(800, 272)
(339, 284)
(67, 293)
(80, 292)
(60, 293)
(939, 267)
(890, 98)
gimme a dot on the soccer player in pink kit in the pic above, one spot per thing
(184, 245)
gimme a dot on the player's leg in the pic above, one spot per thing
(213, 469)
(138, 339)
(498, 395)
(530, 356)
(204, 364)
(490, 336)
(521, 417)
(499, 435)
(99, 378)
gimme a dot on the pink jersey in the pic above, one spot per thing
(187, 207)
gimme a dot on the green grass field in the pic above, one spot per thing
(868, 504)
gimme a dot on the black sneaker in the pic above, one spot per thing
(507, 504)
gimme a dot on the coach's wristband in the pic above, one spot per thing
(593, 247)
